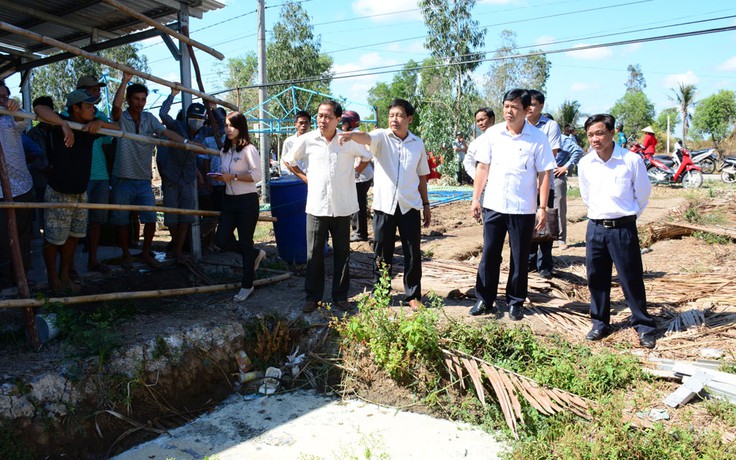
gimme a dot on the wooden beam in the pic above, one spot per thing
(110, 63)
(142, 17)
(175, 4)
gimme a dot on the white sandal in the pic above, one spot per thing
(243, 294)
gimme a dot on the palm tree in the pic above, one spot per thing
(568, 113)
(685, 99)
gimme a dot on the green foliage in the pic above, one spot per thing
(294, 54)
(398, 342)
(715, 116)
(510, 71)
(91, 332)
(634, 110)
(636, 82)
(453, 38)
(684, 96)
(568, 113)
(404, 85)
(11, 445)
(239, 72)
(722, 410)
(573, 192)
(609, 437)
(660, 124)
(60, 78)
(712, 238)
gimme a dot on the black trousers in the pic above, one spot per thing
(384, 242)
(317, 229)
(359, 220)
(606, 247)
(24, 224)
(239, 212)
(495, 226)
(540, 254)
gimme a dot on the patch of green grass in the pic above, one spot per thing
(573, 192)
(712, 238)
(263, 232)
(11, 446)
(723, 410)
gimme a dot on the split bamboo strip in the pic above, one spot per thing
(164, 29)
(110, 63)
(23, 303)
(121, 207)
(122, 134)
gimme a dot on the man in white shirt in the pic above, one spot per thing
(540, 254)
(513, 164)
(615, 187)
(399, 192)
(329, 180)
(484, 119)
(302, 123)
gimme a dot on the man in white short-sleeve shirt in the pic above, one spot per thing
(399, 192)
(331, 201)
(513, 164)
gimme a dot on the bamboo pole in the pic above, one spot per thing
(121, 134)
(108, 62)
(15, 255)
(120, 207)
(26, 303)
(164, 29)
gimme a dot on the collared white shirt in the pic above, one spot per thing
(288, 144)
(554, 135)
(331, 188)
(514, 161)
(398, 166)
(469, 160)
(616, 188)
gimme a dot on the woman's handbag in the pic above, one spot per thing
(551, 228)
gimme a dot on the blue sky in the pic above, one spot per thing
(364, 34)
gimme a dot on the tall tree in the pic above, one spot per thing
(293, 54)
(568, 113)
(510, 70)
(715, 116)
(634, 110)
(240, 72)
(661, 122)
(60, 78)
(636, 82)
(685, 98)
(404, 85)
(453, 39)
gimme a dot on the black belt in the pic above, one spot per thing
(613, 223)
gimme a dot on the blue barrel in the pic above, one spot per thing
(288, 202)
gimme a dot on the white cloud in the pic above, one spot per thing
(673, 81)
(591, 54)
(544, 40)
(381, 9)
(729, 65)
(498, 2)
(416, 47)
(628, 49)
(582, 86)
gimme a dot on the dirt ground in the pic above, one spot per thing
(681, 274)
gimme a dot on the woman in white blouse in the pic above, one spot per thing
(241, 170)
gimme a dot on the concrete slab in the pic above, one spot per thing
(304, 425)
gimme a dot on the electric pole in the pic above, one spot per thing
(263, 77)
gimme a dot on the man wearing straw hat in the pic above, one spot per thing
(70, 160)
(132, 172)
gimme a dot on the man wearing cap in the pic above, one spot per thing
(650, 140)
(178, 168)
(363, 180)
(70, 161)
(98, 190)
(132, 171)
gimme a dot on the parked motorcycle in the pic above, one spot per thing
(707, 159)
(664, 169)
(728, 170)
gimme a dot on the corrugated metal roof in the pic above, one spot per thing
(77, 22)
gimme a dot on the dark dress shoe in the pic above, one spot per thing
(596, 334)
(546, 274)
(479, 308)
(309, 306)
(515, 313)
(647, 340)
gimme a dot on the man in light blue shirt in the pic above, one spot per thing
(568, 155)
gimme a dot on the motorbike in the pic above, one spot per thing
(665, 169)
(728, 170)
(707, 159)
